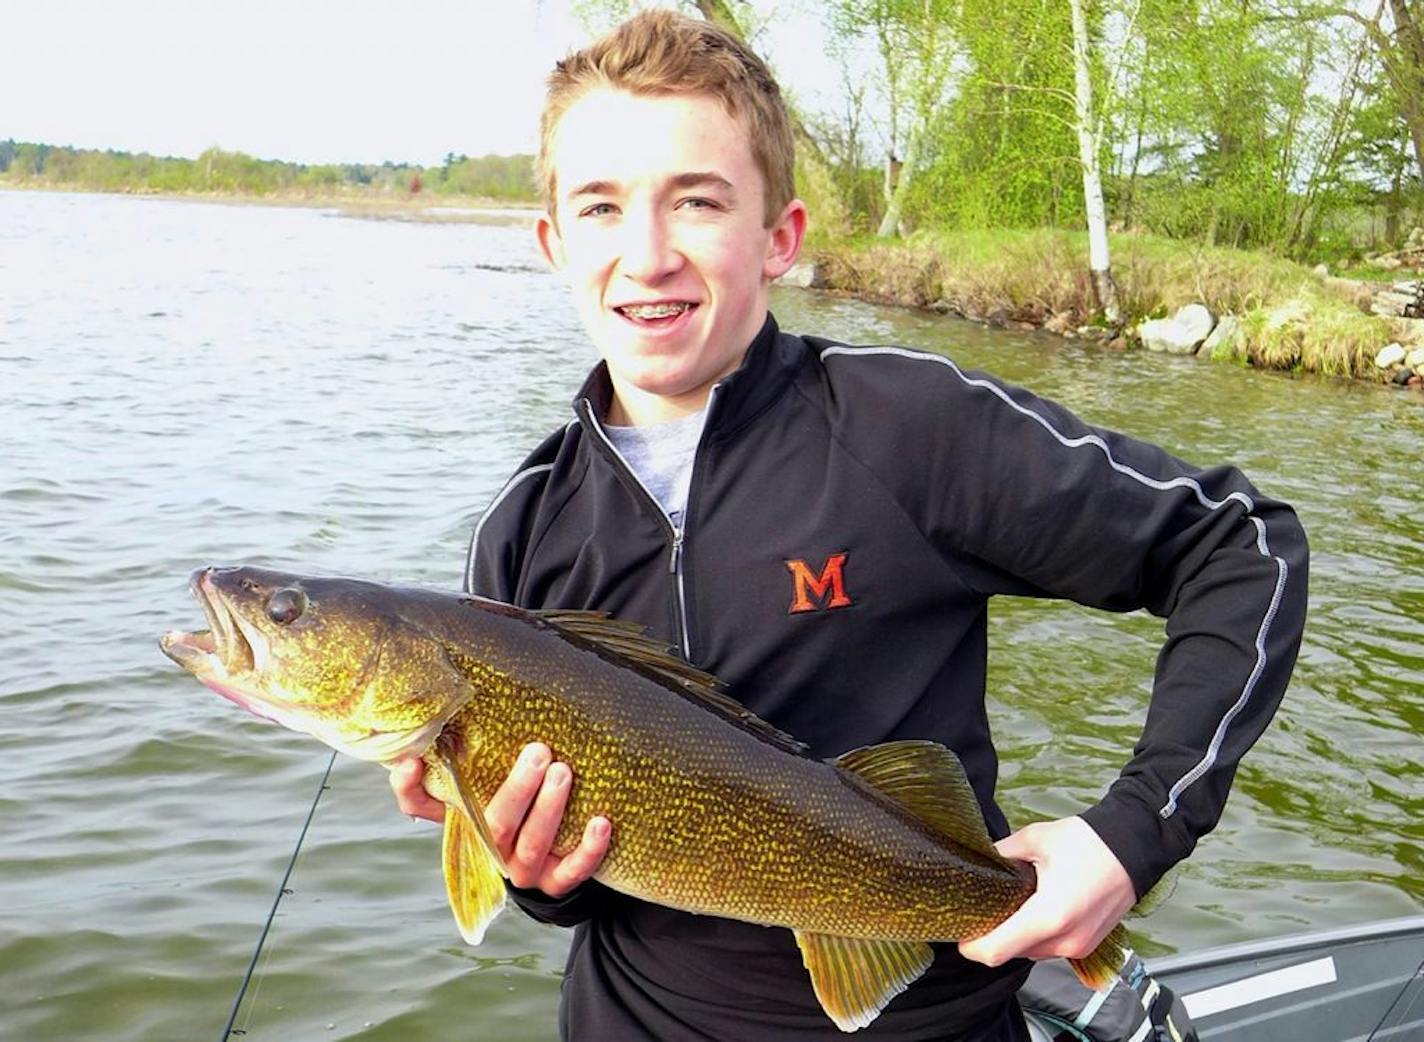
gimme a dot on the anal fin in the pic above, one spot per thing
(855, 978)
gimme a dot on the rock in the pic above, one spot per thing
(1387, 263)
(1416, 237)
(804, 275)
(1197, 319)
(1094, 333)
(1223, 336)
(1169, 336)
(1118, 343)
(1409, 332)
(1389, 355)
(997, 318)
(1414, 381)
(1402, 376)
(1321, 271)
(1415, 358)
(1061, 323)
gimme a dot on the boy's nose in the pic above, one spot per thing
(649, 253)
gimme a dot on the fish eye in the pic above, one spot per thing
(286, 605)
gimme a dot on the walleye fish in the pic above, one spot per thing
(866, 858)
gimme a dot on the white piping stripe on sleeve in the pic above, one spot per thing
(475, 539)
(1214, 747)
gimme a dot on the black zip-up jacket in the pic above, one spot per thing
(851, 512)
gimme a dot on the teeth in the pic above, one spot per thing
(654, 310)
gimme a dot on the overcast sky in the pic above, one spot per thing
(308, 80)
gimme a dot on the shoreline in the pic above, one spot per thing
(1263, 312)
(427, 208)
(1253, 310)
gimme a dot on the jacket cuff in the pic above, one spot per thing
(1146, 844)
(573, 908)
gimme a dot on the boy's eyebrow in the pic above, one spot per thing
(690, 179)
(699, 178)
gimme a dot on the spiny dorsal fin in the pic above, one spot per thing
(855, 978)
(927, 780)
(630, 642)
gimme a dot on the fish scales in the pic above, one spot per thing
(866, 858)
(712, 818)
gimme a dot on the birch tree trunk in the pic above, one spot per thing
(1099, 261)
(890, 223)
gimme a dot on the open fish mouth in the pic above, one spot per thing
(225, 650)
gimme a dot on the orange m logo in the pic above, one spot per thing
(831, 581)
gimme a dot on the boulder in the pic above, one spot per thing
(1196, 319)
(805, 275)
(1415, 358)
(1321, 271)
(1223, 336)
(1390, 355)
(1061, 323)
(1169, 336)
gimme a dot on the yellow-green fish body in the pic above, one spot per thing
(866, 858)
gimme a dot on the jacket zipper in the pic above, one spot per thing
(677, 534)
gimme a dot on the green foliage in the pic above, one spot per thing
(499, 178)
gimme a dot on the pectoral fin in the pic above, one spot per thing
(855, 978)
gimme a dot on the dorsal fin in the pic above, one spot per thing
(928, 781)
(630, 643)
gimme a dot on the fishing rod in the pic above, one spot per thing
(282, 891)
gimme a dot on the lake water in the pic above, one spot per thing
(190, 383)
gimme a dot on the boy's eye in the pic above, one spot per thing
(698, 203)
(597, 210)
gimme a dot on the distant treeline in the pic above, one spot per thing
(506, 178)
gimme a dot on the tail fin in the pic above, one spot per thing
(1099, 967)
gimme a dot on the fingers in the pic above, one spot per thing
(563, 874)
(1022, 933)
(1082, 893)
(510, 804)
(535, 839)
(407, 783)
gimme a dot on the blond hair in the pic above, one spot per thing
(661, 52)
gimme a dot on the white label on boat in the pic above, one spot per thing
(1260, 987)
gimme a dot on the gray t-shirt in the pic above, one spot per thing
(661, 455)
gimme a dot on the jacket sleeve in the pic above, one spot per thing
(492, 569)
(1033, 501)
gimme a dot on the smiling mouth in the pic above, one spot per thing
(656, 315)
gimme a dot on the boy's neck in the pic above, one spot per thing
(634, 407)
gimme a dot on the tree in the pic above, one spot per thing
(1089, 128)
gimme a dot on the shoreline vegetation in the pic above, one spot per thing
(1277, 314)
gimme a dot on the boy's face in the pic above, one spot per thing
(660, 234)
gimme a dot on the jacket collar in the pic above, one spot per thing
(767, 367)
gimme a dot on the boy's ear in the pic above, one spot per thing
(787, 235)
(551, 243)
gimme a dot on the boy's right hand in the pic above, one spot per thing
(523, 818)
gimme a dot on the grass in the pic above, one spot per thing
(1288, 319)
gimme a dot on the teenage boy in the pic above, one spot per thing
(821, 527)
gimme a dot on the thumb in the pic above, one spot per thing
(1019, 846)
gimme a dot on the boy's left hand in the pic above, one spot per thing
(1083, 892)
